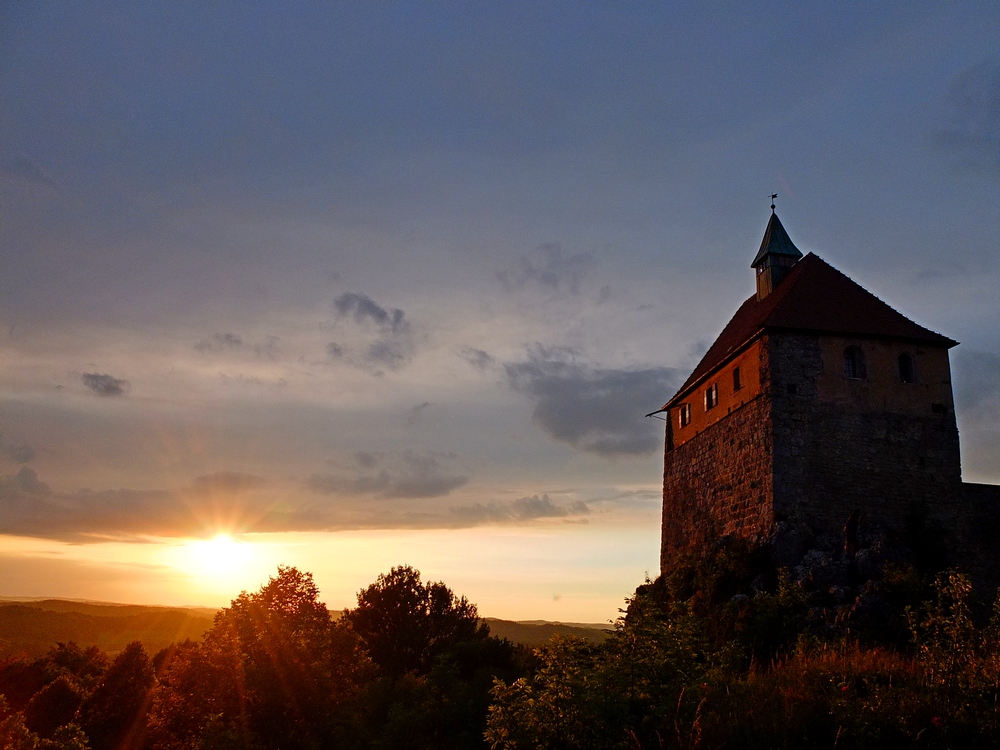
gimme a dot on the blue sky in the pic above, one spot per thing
(415, 271)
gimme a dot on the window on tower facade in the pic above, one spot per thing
(684, 415)
(711, 396)
(854, 363)
(737, 384)
(906, 368)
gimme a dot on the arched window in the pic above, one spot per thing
(854, 363)
(906, 374)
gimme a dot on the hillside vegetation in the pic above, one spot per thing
(723, 653)
(32, 628)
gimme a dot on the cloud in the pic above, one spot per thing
(407, 475)
(478, 359)
(547, 266)
(26, 480)
(364, 310)
(237, 503)
(974, 135)
(105, 385)
(267, 348)
(414, 414)
(22, 454)
(224, 501)
(220, 342)
(227, 482)
(594, 409)
(391, 353)
(523, 509)
(252, 381)
(383, 337)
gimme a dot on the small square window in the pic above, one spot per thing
(684, 415)
(737, 383)
(711, 396)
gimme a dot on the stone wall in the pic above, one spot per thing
(719, 482)
(835, 455)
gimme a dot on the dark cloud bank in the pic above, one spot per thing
(374, 491)
(595, 409)
(410, 474)
(214, 502)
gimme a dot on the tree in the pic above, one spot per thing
(85, 665)
(626, 692)
(53, 706)
(274, 671)
(436, 660)
(14, 735)
(114, 715)
(405, 624)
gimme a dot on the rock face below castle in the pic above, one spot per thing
(818, 401)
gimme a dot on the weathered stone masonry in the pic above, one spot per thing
(719, 483)
(835, 455)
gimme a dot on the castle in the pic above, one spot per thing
(819, 403)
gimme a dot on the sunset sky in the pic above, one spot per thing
(364, 284)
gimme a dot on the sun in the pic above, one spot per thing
(221, 557)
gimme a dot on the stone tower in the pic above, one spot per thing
(816, 400)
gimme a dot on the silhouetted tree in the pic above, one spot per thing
(53, 706)
(274, 672)
(437, 662)
(68, 737)
(86, 665)
(14, 735)
(114, 715)
(405, 624)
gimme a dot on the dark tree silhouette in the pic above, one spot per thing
(405, 624)
(52, 706)
(86, 665)
(274, 672)
(114, 715)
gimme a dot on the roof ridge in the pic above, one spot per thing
(875, 296)
(811, 298)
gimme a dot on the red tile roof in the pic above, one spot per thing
(814, 297)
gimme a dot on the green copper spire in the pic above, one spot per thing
(776, 242)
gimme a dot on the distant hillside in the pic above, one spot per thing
(538, 632)
(30, 628)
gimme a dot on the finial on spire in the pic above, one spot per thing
(773, 196)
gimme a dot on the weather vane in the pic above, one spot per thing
(773, 196)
